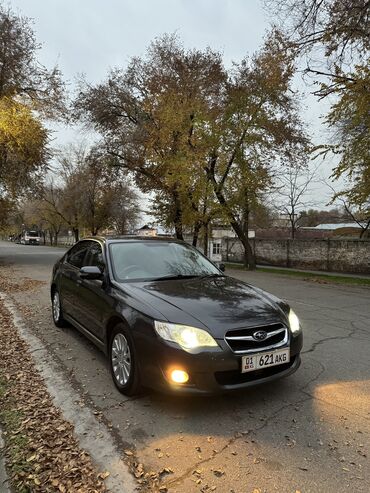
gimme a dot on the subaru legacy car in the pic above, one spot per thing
(170, 319)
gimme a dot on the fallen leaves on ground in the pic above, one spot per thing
(53, 480)
(42, 453)
(12, 284)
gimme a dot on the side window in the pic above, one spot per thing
(77, 254)
(95, 256)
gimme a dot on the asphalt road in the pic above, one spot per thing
(307, 433)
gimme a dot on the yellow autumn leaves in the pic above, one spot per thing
(22, 143)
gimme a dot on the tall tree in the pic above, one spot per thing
(333, 36)
(292, 186)
(184, 126)
(46, 211)
(89, 192)
(21, 74)
(259, 125)
(6, 207)
(349, 119)
(28, 91)
(341, 27)
(124, 212)
(23, 146)
(149, 116)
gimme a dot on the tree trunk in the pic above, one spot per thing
(206, 238)
(292, 229)
(197, 228)
(75, 229)
(178, 216)
(249, 258)
(51, 237)
(364, 231)
(56, 238)
(178, 231)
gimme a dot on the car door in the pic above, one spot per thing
(69, 282)
(94, 301)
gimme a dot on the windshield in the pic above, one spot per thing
(153, 260)
(32, 233)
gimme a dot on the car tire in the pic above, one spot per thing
(56, 309)
(123, 361)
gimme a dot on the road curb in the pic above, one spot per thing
(92, 435)
(4, 480)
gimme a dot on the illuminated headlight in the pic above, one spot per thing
(294, 322)
(185, 336)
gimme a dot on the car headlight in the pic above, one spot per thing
(185, 336)
(294, 322)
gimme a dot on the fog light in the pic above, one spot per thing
(179, 376)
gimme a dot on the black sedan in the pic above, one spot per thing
(169, 319)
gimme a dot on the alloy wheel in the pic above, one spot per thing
(121, 359)
(56, 306)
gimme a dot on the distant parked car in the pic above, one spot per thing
(168, 318)
(30, 238)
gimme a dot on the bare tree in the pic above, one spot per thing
(21, 75)
(360, 214)
(341, 26)
(292, 187)
(124, 209)
(91, 192)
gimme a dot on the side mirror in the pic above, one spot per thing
(222, 267)
(91, 272)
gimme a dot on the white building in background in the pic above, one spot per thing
(146, 230)
(151, 230)
(215, 242)
(217, 234)
(334, 226)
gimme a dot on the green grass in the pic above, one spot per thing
(336, 279)
(16, 442)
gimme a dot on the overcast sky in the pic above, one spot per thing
(91, 36)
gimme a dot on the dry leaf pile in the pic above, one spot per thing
(10, 283)
(41, 451)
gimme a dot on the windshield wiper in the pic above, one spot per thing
(175, 276)
(208, 276)
(187, 276)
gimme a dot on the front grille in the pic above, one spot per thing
(243, 341)
(235, 377)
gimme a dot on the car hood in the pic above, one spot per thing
(217, 304)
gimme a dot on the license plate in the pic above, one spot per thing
(264, 360)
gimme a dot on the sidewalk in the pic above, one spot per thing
(316, 272)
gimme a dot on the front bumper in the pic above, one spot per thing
(213, 371)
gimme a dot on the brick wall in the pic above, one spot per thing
(326, 254)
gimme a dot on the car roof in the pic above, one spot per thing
(131, 238)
